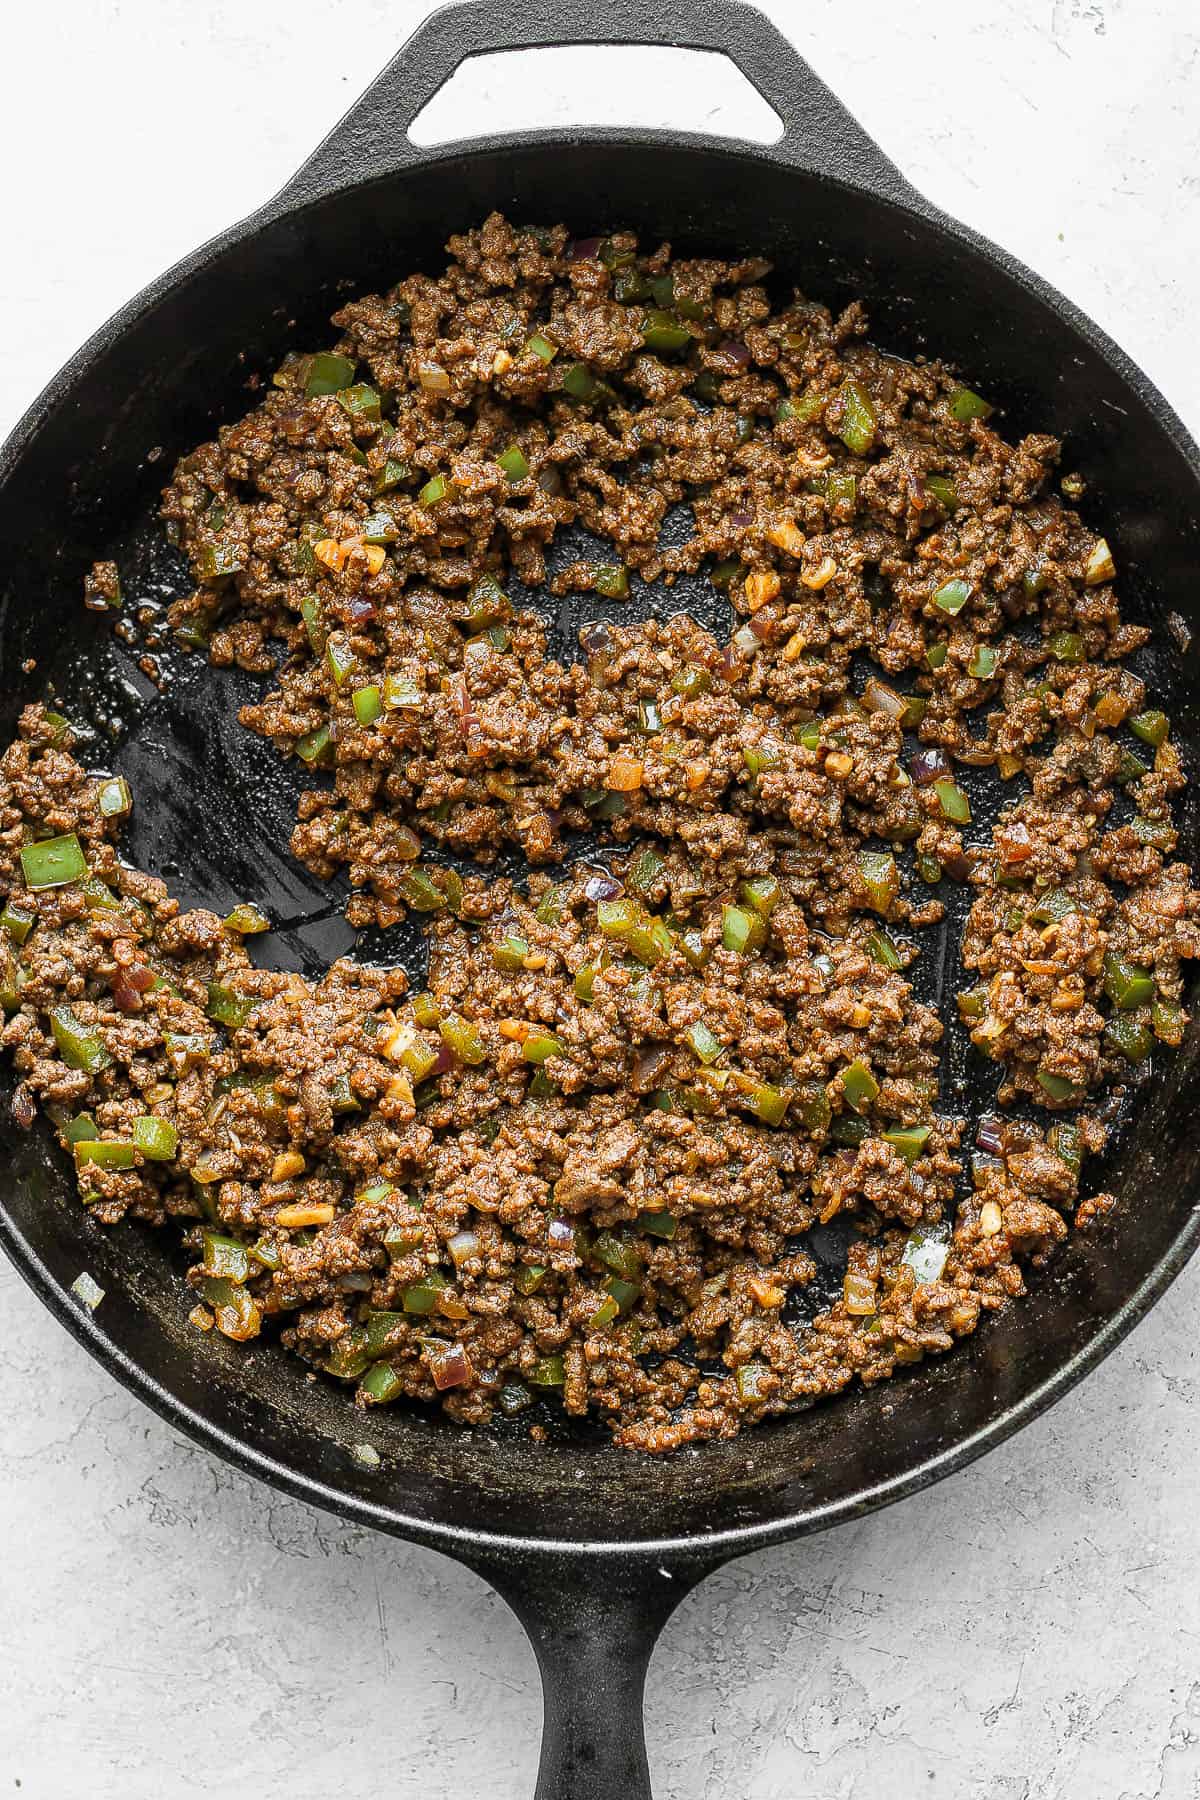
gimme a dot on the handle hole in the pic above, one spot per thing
(638, 86)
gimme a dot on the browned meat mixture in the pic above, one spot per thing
(583, 1160)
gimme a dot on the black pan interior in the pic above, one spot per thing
(214, 805)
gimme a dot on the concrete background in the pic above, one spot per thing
(1028, 1631)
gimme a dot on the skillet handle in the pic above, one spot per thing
(819, 134)
(593, 1625)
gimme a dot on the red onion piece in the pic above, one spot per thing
(602, 887)
(141, 978)
(648, 1066)
(595, 639)
(929, 765)
(877, 697)
(584, 249)
(449, 1364)
(357, 609)
(125, 997)
(734, 351)
(445, 1062)
(560, 1234)
(741, 519)
(988, 1136)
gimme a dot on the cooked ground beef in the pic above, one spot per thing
(585, 1157)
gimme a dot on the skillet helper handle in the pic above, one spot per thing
(593, 1626)
(819, 134)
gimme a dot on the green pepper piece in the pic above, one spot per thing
(579, 382)
(315, 746)
(767, 1102)
(339, 656)
(1127, 985)
(103, 1153)
(1066, 1141)
(763, 893)
(972, 1003)
(1152, 727)
(1065, 646)
(881, 948)
(880, 877)
(644, 872)
(812, 1108)
(392, 475)
(909, 1140)
(663, 333)
(368, 704)
(690, 681)
(849, 1132)
(1053, 907)
(741, 931)
(691, 945)
(529, 1279)
(928, 868)
(422, 1297)
(953, 802)
(384, 1331)
(1157, 834)
(857, 430)
(463, 1039)
(228, 1007)
(246, 920)
(1058, 1087)
(226, 1257)
(585, 983)
(349, 1358)
(434, 490)
(216, 560)
(943, 491)
(53, 862)
(380, 1384)
(79, 1129)
(548, 1371)
(419, 892)
(78, 1047)
(705, 1043)
(658, 1222)
(1168, 1021)
(541, 1045)
(752, 1383)
(549, 907)
(1132, 1037)
(514, 463)
(157, 1139)
(510, 953)
(859, 1086)
(542, 347)
(983, 662)
(618, 1254)
(965, 405)
(17, 922)
(360, 400)
(951, 597)
(936, 654)
(623, 1294)
(327, 373)
(611, 580)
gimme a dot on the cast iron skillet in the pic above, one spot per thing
(593, 1548)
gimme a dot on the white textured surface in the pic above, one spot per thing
(1027, 1631)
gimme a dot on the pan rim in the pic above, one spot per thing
(720, 1544)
